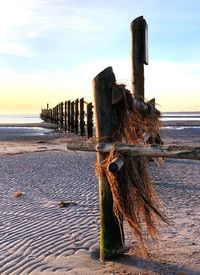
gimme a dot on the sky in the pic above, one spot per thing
(50, 50)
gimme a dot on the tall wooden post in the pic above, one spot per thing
(61, 115)
(68, 115)
(139, 55)
(76, 116)
(110, 230)
(54, 115)
(57, 114)
(65, 116)
(72, 116)
(82, 117)
(89, 120)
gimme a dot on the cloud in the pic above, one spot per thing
(23, 21)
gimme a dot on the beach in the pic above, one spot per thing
(50, 210)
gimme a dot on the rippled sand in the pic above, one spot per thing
(37, 236)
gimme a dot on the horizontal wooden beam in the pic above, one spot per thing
(168, 151)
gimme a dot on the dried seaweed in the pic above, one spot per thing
(134, 197)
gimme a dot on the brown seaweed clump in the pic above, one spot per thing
(134, 196)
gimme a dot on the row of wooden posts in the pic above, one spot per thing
(72, 116)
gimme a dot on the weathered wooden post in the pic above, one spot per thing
(76, 116)
(72, 117)
(61, 115)
(57, 114)
(54, 115)
(111, 231)
(65, 115)
(68, 115)
(89, 120)
(82, 117)
(51, 119)
(139, 55)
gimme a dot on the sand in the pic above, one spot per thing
(37, 236)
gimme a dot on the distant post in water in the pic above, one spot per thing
(139, 55)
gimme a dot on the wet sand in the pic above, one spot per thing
(37, 236)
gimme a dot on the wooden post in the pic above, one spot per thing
(68, 115)
(54, 115)
(89, 120)
(76, 116)
(65, 116)
(111, 241)
(139, 55)
(61, 115)
(72, 117)
(82, 117)
(57, 115)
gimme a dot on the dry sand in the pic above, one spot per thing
(37, 236)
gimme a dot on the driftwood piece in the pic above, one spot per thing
(168, 151)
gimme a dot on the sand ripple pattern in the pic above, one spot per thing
(33, 229)
(37, 237)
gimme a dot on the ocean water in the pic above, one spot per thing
(170, 116)
(35, 118)
(10, 130)
(20, 118)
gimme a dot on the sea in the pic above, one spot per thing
(10, 130)
(21, 126)
(19, 118)
(170, 116)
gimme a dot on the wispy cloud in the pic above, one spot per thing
(23, 21)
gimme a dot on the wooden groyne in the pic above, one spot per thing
(71, 116)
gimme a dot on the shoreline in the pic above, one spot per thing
(46, 131)
(55, 140)
(47, 125)
(181, 123)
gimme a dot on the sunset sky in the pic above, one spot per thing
(50, 50)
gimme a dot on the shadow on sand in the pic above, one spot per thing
(148, 265)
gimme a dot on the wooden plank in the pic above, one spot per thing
(111, 231)
(168, 151)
